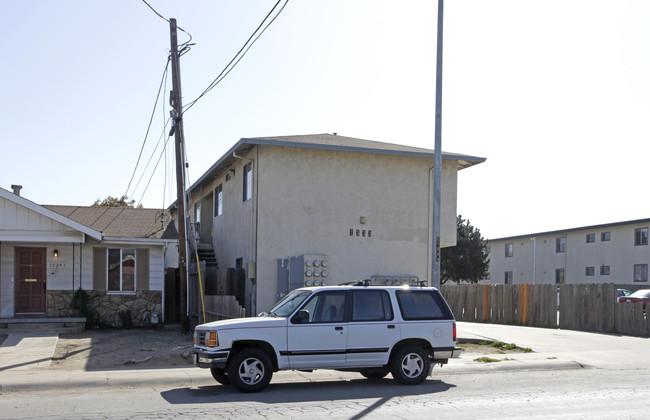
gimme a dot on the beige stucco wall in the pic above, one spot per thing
(306, 201)
(309, 200)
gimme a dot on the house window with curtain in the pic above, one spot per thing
(121, 267)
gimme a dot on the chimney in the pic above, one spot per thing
(17, 189)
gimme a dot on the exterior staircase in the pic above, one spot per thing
(206, 253)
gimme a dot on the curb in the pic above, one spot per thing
(173, 377)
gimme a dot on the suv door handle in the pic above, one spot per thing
(391, 327)
(338, 328)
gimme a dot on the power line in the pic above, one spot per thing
(167, 20)
(144, 142)
(241, 53)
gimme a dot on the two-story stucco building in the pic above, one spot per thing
(608, 253)
(322, 209)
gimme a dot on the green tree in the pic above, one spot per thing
(111, 201)
(467, 261)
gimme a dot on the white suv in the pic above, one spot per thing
(373, 330)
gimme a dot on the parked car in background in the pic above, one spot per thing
(621, 293)
(642, 295)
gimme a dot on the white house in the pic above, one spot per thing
(49, 253)
(609, 253)
(322, 209)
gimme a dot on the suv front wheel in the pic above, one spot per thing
(250, 370)
(410, 365)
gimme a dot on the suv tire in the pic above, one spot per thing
(373, 373)
(410, 365)
(220, 376)
(250, 370)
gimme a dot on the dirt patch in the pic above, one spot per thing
(123, 349)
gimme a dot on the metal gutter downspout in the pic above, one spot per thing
(254, 220)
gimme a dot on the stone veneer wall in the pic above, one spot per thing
(141, 305)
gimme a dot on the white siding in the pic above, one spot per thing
(6, 281)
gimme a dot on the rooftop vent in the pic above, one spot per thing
(17, 189)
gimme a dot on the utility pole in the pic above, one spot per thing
(437, 159)
(177, 128)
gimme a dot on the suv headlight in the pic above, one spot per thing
(206, 338)
(211, 338)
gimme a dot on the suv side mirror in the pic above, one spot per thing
(302, 317)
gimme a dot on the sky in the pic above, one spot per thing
(554, 93)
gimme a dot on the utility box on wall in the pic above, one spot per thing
(316, 270)
(305, 270)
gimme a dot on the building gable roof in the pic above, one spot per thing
(44, 211)
(327, 142)
(121, 222)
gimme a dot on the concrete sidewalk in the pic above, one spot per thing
(24, 360)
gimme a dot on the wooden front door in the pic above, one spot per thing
(30, 280)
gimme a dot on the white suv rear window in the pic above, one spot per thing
(422, 305)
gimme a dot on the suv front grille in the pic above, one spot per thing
(199, 339)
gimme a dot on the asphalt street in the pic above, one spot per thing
(24, 360)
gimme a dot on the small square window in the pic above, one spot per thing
(640, 273)
(641, 236)
(591, 237)
(508, 250)
(604, 236)
(604, 270)
(508, 277)
(589, 271)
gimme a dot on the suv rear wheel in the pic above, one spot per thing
(250, 370)
(410, 365)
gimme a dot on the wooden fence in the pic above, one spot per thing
(582, 307)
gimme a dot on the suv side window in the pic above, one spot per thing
(371, 305)
(422, 305)
(326, 307)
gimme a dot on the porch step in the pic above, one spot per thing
(43, 325)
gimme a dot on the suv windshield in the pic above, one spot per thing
(286, 306)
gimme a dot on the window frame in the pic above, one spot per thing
(218, 200)
(131, 251)
(641, 236)
(642, 275)
(248, 182)
(509, 250)
(590, 271)
(604, 270)
(591, 238)
(508, 277)
(605, 236)
(560, 245)
(560, 276)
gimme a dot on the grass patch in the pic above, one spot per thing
(500, 345)
(486, 359)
